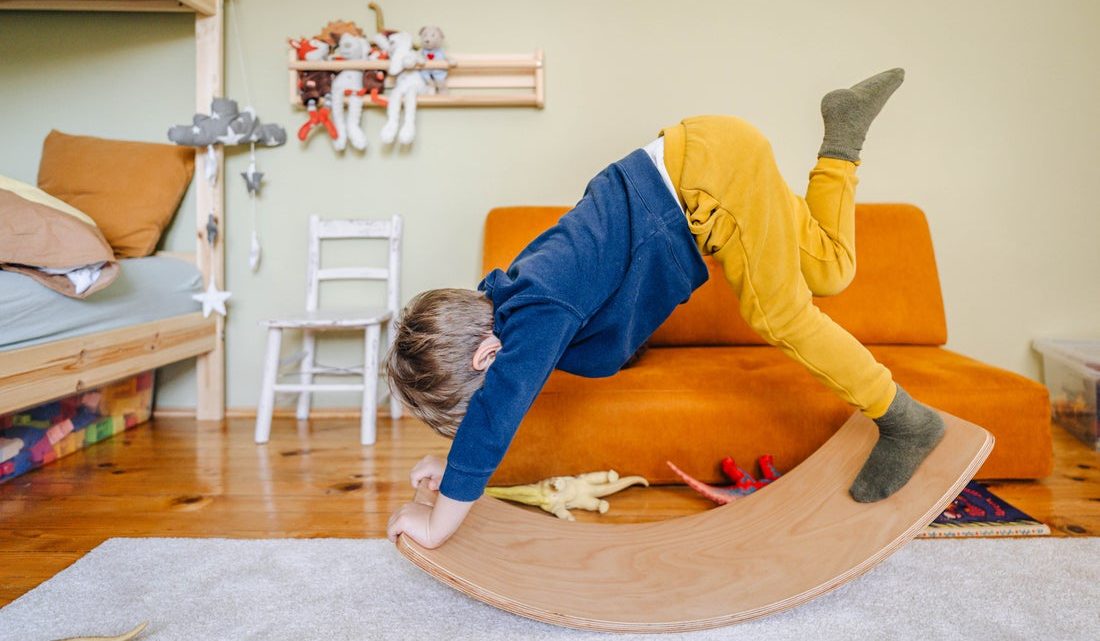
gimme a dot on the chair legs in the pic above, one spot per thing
(309, 344)
(267, 389)
(370, 386)
(266, 406)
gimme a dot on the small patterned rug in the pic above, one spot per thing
(979, 512)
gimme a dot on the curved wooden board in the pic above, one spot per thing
(793, 541)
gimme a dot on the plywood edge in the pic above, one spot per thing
(973, 447)
(45, 372)
(871, 562)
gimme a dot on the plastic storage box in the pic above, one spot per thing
(40, 435)
(1071, 371)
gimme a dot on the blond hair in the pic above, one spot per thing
(430, 365)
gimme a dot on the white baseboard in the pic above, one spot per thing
(250, 412)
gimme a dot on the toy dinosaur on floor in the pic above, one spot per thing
(743, 482)
(559, 494)
(122, 637)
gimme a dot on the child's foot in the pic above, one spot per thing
(848, 113)
(908, 432)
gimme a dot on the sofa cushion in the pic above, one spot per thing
(696, 405)
(895, 297)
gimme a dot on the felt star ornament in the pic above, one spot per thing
(212, 299)
(211, 230)
(252, 179)
(231, 137)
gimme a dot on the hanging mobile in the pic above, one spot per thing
(211, 230)
(253, 180)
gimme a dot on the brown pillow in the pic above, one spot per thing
(39, 231)
(130, 189)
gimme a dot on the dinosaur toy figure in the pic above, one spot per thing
(132, 634)
(559, 494)
(743, 482)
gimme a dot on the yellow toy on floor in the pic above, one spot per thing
(132, 634)
(559, 494)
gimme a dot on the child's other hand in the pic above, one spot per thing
(412, 519)
(429, 467)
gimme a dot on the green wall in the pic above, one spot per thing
(994, 134)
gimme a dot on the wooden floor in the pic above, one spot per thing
(178, 477)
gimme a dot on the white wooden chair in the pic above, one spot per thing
(368, 319)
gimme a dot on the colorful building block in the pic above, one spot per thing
(93, 401)
(69, 444)
(27, 420)
(91, 433)
(105, 429)
(59, 431)
(10, 447)
(42, 451)
(7, 468)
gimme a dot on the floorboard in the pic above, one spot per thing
(180, 477)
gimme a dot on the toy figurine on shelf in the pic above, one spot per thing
(431, 47)
(409, 84)
(347, 86)
(314, 86)
(374, 81)
(743, 482)
(558, 494)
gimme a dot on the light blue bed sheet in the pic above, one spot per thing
(146, 289)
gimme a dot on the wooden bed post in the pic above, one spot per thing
(209, 82)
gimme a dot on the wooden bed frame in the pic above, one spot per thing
(37, 374)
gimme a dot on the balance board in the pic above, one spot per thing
(792, 541)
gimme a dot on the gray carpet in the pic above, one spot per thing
(357, 590)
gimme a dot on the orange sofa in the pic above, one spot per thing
(756, 400)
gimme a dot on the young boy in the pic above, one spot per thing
(584, 295)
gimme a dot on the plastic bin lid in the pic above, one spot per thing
(1085, 352)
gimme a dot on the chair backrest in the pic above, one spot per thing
(329, 229)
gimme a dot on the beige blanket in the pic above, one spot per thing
(40, 231)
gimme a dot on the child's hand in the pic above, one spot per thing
(429, 467)
(413, 520)
(428, 524)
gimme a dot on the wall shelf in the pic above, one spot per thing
(476, 80)
(204, 7)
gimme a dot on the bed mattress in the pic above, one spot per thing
(147, 289)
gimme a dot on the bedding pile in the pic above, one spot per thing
(97, 200)
(52, 242)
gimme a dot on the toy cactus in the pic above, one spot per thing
(559, 494)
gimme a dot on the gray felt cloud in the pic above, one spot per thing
(227, 125)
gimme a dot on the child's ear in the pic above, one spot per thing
(486, 352)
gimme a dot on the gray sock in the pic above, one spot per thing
(907, 433)
(848, 113)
